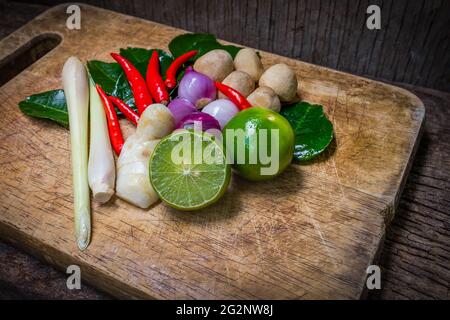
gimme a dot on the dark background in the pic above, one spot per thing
(411, 49)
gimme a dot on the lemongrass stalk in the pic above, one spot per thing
(76, 90)
(101, 168)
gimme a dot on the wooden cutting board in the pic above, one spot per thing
(310, 233)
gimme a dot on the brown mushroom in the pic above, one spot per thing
(282, 79)
(239, 81)
(265, 97)
(247, 60)
(216, 64)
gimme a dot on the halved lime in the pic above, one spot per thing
(188, 170)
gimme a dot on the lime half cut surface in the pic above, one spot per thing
(188, 170)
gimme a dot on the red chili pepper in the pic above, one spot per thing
(235, 96)
(125, 109)
(141, 94)
(115, 134)
(154, 80)
(171, 73)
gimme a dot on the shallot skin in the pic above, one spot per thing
(196, 87)
(221, 109)
(181, 107)
(197, 119)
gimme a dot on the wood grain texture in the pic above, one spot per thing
(15, 14)
(308, 237)
(23, 277)
(415, 255)
(412, 45)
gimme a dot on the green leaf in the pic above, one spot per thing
(203, 42)
(112, 79)
(48, 105)
(110, 76)
(313, 131)
(187, 42)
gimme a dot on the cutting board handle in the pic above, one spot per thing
(17, 56)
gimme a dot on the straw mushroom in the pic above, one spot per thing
(247, 60)
(216, 64)
(281, 79)
(265, 97)
(239, 81)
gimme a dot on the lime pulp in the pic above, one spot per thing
(188, 170)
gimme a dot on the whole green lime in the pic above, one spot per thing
(259, 142)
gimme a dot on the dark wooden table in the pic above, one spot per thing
(415, 261)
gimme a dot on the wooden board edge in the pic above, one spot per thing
(43, 252)
(417, 139)
(392, 207)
